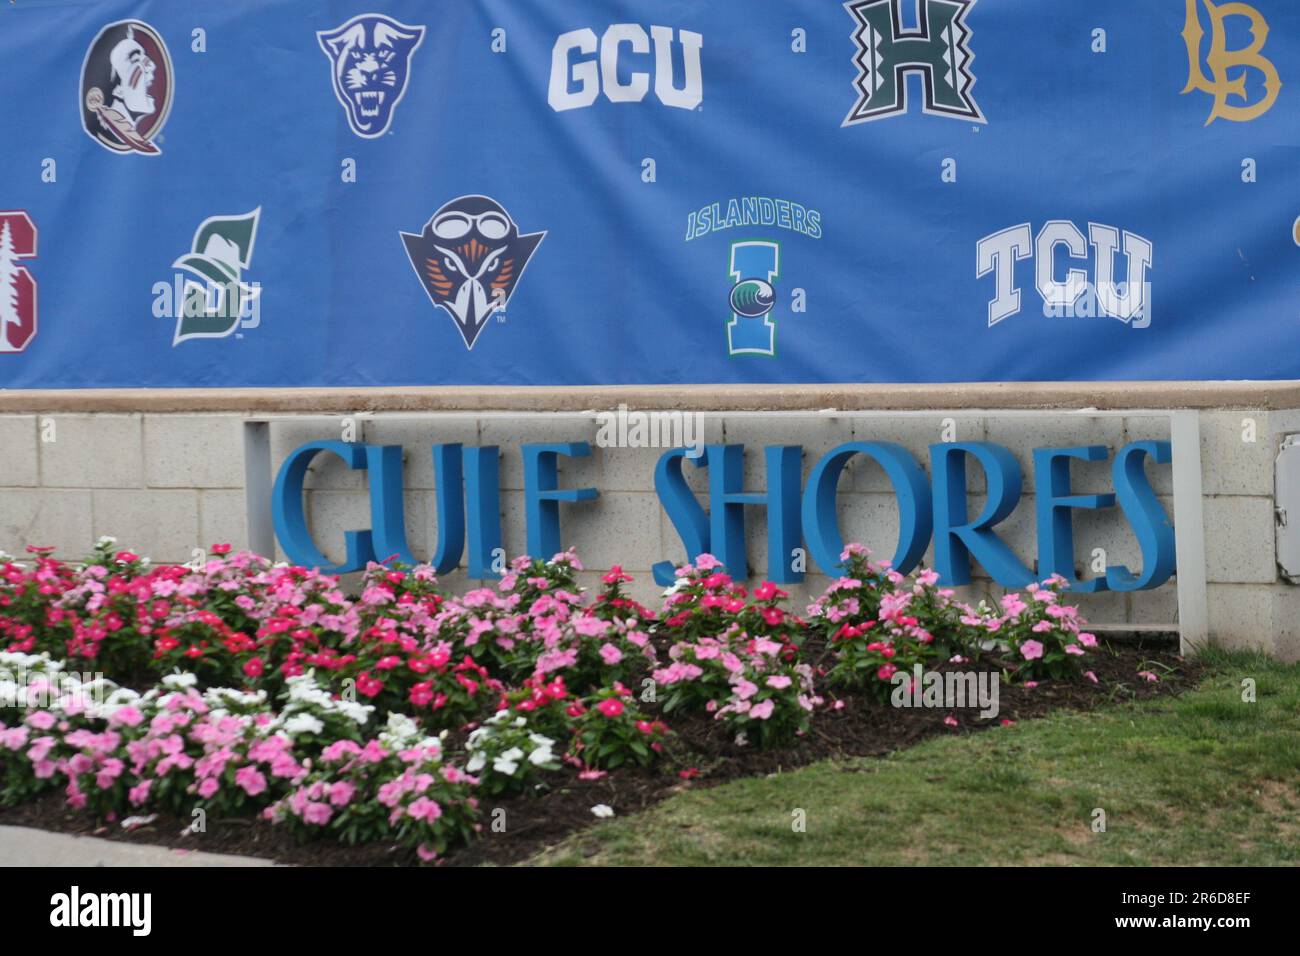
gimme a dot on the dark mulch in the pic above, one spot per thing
(862, 728)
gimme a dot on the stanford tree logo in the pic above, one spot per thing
(17, 287)
(937, 50)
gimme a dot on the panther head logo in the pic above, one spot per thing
(469, 258)
(371, 60)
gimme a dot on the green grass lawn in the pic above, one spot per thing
(1206, 778)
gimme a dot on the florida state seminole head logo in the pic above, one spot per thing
(126, 88)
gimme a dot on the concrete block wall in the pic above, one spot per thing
(168, 483)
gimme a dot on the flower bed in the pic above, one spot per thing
(404, 716)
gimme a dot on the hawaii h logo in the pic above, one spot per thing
(937, 50)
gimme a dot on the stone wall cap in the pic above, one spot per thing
(1268, 395)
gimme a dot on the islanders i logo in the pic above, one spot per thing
(754, 264)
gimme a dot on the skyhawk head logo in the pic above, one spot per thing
(371, 60)
(469, 257)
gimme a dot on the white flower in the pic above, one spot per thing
(303, 724)
(602, 811)
(179, 681)
(476, 762)
(542, 755)
(105, 540)
(401, 730)
(507, 767)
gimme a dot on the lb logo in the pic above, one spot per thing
(1228, 68)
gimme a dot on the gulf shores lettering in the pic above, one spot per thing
(930, 508)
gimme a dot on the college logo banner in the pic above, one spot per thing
(506, 192)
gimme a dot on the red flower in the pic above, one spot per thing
(615, 575)
(610, 708)
(221, 549)
(254, 667)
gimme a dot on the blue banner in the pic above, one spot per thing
(576, 192)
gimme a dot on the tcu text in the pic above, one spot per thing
(1128, 300)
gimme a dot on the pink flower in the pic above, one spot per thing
(610, 654)
(139, 793)
(125, 715)
(317, 813)
(1031, 650)
(251, 779)
(762, 710)
(1148, 676)
(950, 720)
(1091, 676)
(1074, 649)
(778, 681)
(422, 808)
